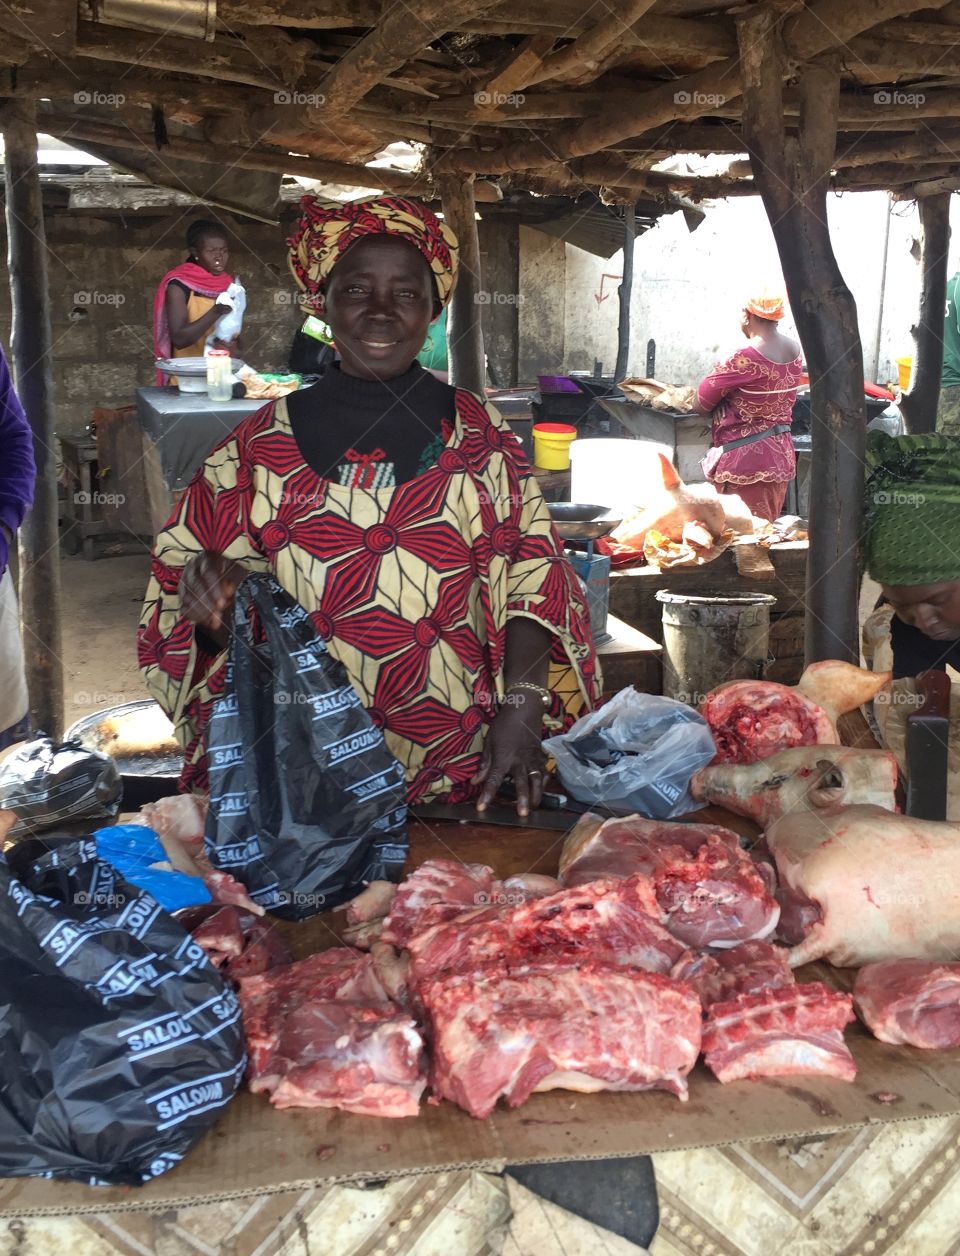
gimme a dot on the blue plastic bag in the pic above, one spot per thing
(133, 849)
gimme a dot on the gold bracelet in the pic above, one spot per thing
(545, 696)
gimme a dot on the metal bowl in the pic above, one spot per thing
(577, 521)
(574, 512)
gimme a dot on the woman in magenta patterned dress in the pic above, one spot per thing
(750, 401)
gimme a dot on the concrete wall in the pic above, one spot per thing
(689, 287)
(103, 273)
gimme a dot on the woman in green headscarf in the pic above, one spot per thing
(911, 545)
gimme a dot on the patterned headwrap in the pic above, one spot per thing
(325, 232)
(767, 303)
(912, 509)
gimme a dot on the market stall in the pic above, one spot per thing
(256, 1149)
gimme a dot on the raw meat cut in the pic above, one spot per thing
(618, 848)
(709, 891)
(227, 889)
(373, 903)
(886, 886)
(577, 1027)
(322, 1033)
(754, 719)
(910, 1001)
(718, 898)
(802, 779)
(237, 942)
(436, 891)
(778, 1033)
(718, 976)
(527, 885)
(614, 921)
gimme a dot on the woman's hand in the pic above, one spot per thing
(512, 748)
(207, 591)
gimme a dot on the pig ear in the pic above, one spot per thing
(829, 787)
(671, 479)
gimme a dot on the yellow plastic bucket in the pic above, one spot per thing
(904, 367)
(551, 445)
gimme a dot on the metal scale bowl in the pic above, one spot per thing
(583, 524)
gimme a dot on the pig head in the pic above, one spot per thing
(678, 506)
(806, 778)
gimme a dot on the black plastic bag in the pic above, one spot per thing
(49, 784)
(120, 1044)
(306, 801)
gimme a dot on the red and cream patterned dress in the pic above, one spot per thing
(748, 394)
(411, 587)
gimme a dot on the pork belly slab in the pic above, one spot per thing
(910, 1002)
(589, 1027)
(323, 1033)
(779, 1033)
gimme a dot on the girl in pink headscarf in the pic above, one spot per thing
(749, 398)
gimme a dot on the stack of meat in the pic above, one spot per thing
(600, 981)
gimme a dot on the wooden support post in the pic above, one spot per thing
(625, 290)
(31, 344)
(918, 405)
(464, 333)
(792, 174)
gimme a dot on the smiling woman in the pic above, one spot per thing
(401, 513)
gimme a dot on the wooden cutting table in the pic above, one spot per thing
(254, 1149)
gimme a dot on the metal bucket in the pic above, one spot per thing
(710, 640)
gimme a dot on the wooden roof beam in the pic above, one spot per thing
(226, 60)
(823, 25)
(585, 55)
(80, 131)
(926, 145)
(400, 35)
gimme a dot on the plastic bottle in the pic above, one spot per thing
(219, 383)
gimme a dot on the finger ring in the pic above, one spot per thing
(534, 772)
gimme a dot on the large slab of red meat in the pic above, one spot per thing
(780, 1032)
(237, 942)
(709, 891)
(322, 1033)
(615, 921)
(718, 976)
(436, 891)
(910, 1001)
(589, 1027)
(754, 719)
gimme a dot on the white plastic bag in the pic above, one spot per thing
(231, 324)
(635, 754)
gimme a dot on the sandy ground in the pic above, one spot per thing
(101, 607)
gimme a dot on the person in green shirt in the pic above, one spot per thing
(948, 409)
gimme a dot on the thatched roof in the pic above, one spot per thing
(552, 99)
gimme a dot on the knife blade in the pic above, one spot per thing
(927, 748)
